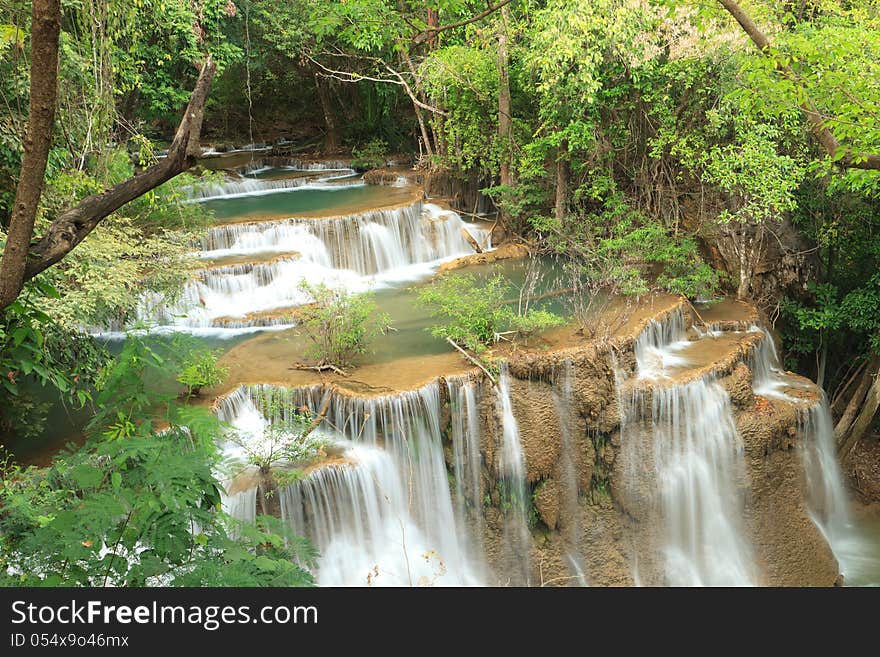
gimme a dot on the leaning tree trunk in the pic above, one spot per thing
(841, 429)
(71, 227)
(45, 27)
(865, 417)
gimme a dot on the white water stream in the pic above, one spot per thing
(688, 436)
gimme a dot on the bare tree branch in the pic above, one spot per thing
(398, 79)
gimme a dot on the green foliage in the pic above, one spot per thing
(534, 321)
(37, 352)
(475, 312)
(620, 251)
(835, 55)
(371, 155)
(340, 325)
(466, 78)
(759, 181)
(199, 369)
(121, 509)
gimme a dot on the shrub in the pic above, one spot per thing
(286, 438)
(475, 312)
(339, 324)
(370, 156)
(534, 321)
(199, 369)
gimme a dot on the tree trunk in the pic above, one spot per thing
(331, 139)
(841, 429)
(822, 360)
(866, 415)
(73, 226)
(433, 21)
(562, 174)
(45, 27)
(504, 118)
(420, 115)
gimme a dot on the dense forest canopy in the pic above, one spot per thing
(701, 148)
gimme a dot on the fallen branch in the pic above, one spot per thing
(699, 317)
(320, 367)
(475, 245)
(473, 360)
(318, 418)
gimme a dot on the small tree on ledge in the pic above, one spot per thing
(340, 326)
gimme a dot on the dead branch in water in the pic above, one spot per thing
(320, 367)
(473, 360)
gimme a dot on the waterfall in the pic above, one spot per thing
(467, 464)
(250, 186)
(683, 461)
(386, 512)
(242, 505)
(512, 478)
(367, 243)
(356, 252)
(658, 345)
(768, 378)
(826, 493)
(569, 485)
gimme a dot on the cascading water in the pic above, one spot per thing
(563, 398)
(467, 464)
(828, 500)
(384, 515)
(242, 505)
(657, 348)
(250, 186)
(417, 233)
(512, 478)
(826, 493)
(684, 460)
(768, 378)
(356, 252)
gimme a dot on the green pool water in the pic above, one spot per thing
(324, 201)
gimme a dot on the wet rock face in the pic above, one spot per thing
(612, 516)
(539, 427)
(547, 502)
(738, 384)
